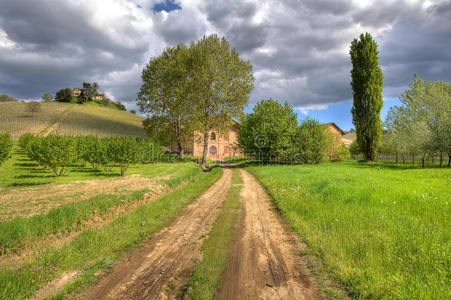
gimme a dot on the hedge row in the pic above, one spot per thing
(57, 153)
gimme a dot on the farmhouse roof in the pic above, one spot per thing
(334, 125)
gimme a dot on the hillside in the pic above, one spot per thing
(348, 138)
(68, 119)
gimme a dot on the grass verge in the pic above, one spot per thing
(208, 273)
(96, 248)
(381, 230)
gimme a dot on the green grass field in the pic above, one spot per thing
(381, 230)
(70, 119)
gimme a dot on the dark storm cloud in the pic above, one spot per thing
(299, 49)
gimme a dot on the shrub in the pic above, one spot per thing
(25, 140)
(124, 151)
(354, 149)
(53, 151)
(310, 141)
(6, 145)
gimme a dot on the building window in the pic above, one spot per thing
(226, 149)
(213, 136)
(213, 150)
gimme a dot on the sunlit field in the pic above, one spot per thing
(380, 229)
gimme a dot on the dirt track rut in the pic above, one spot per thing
(264, 262)
(162, 267)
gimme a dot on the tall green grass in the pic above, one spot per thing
(96, 248)
(207, 274)
(382, 230)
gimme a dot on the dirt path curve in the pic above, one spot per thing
(54, 127)
(264, 262)
(162, 267)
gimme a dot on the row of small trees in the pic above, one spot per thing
(421, 125)
(6, 146)
(58, 153)
(271, 133)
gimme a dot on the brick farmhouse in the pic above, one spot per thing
(226, 145)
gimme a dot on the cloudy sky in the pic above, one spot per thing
(299, 48)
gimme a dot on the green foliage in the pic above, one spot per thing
(47, 97)
(64, 95)
(354, 148)
(421, 125)
(133, 111)
(310, 142)
(219, 85)
(6, 98)
(59, 152)
(269, 132)
(163, 95)
(6, 145)
(25, 140)
(367, 80)
(119, 105)
(55, 152)
(88, 92)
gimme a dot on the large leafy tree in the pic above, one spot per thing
(367, 80)
(47, 97)
(219, 85)
(88, 92)
(64, 95)
(163, 95)
(269, 132)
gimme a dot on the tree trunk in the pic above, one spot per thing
(396, 158)
(402, 155)
(204, 156)
(449, 160)
(178, 137)
(413, 159)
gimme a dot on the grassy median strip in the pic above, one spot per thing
(208, 273)
(97, 248)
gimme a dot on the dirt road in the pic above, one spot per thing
(264, 262)
(161, 268)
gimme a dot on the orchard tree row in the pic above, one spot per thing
(6, 146)
(421, 125)
(58, 153)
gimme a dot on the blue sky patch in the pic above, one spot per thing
(166, 5)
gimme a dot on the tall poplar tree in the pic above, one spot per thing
(367, 80)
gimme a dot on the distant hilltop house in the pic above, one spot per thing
(219, 145)
(77, 92)
(99, 97)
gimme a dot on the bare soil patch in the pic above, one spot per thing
(265, 261)
(162, 267)
(56, 285)
(26, 202)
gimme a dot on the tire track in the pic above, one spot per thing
(161, 268)
(264, 262)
